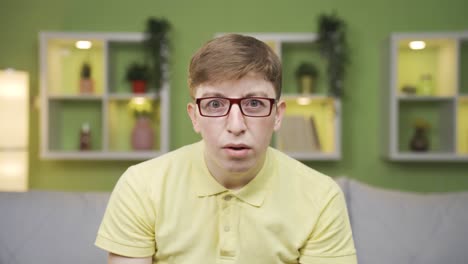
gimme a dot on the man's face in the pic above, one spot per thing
(236, 142)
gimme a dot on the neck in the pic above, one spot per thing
(230, 179)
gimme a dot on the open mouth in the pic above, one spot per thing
(237, 151)
(237, 147)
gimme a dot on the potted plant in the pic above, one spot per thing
(156, 44)
(86, 83)
(334, 48)
(306, 76)
(138, 75)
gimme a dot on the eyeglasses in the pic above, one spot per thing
(221, 106)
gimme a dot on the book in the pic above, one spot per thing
(298, 133)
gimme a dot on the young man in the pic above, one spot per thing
(229, 198)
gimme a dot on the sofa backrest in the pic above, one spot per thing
(392, 226)
(51, 227)
(388, 226)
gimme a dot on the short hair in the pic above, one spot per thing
(231, 57)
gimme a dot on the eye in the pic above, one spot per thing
(254, 103)
(214, 103)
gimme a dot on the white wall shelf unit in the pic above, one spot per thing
(65, 107)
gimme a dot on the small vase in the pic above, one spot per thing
(419, 142)
(306, 84)
(139, 86)
(142, 134)
(86, 86)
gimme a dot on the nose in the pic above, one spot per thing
(236, 121)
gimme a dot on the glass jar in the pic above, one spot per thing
(426, 85)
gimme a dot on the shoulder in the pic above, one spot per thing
(154, 171)
(312, 184)
(178, 157)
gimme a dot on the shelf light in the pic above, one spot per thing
(303, 101)
(83, 44)
(140, 105)
(417, 45)
(138, 100)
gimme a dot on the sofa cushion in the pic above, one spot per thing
(400, 227)
(50, 227)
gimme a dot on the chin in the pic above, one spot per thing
(238, 166)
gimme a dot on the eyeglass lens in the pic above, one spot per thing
(218, 106)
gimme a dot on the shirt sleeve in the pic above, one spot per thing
(127, 227)
(331, 239)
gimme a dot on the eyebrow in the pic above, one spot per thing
(251, 94)
(212, 94)
(256, 94)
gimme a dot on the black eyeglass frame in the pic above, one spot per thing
(235, 101)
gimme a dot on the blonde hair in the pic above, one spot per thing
(231, 57)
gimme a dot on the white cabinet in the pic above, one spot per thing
(105, 106)
(428, 95)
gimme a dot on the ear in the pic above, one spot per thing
(280, 108)
(192, 112)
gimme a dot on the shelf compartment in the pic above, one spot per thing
(65, 120)
(438, 60)
(121, 121)
(65, 62)
(439, 114)
(462, 126)
(120, 56)
(464, 67)
(293, 54)
(309, 126)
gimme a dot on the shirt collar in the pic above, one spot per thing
(253, 193)
(205, 184)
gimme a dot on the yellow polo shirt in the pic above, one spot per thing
(171, 208)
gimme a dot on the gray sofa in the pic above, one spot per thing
(40, 227)
(388, 226)
(395, 227)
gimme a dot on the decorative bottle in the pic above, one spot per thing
(419, 142)
(85, 137)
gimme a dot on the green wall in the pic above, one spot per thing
(193, 22)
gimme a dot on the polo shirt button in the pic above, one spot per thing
(227, 228)
(228, 197)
